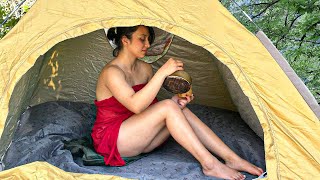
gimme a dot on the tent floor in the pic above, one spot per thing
(43, 128)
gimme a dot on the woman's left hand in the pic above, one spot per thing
(182, 102)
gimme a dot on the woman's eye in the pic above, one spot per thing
(142, 40)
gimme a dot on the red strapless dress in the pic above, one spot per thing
(110, 114)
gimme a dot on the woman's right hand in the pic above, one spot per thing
(171, 66)
(182, 102)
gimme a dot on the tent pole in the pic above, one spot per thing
(259, 29)
(14, 10)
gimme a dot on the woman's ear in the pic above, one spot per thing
(125, 41)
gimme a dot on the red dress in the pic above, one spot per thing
(110, 114)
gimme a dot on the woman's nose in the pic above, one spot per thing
(147, 44)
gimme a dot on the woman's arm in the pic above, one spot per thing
(115, 81)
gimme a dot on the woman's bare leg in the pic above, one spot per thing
(214, 144)
(140, 130)
(159, 139)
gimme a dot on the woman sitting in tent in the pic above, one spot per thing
(131, 121)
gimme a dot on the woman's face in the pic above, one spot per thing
(139, 43)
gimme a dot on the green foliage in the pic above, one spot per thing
(294, 28)
(8, 25)
(12, 21)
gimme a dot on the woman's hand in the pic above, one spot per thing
(182, 102)
(170, 67)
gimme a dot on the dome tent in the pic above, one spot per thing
(240, 74)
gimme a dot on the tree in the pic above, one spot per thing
(294, 28)
(6, 7)
(9, 24)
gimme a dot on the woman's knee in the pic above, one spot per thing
(169, 106)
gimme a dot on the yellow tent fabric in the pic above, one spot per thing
(291, 129)
(43, 170)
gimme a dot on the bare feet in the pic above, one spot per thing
(243, 165)
(217, 169)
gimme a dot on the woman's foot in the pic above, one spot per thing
(220, 170)
(243, 165)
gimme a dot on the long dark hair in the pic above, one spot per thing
(116, 33)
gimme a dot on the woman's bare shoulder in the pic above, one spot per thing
(146, 67)
(111, 72)
(111, 68)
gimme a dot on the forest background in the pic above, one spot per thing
(292, 25)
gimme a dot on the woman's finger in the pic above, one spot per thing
(182, 104)
(192, 97)
(182, 100)
(180, 68)
(188, 98)
(179, 64)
